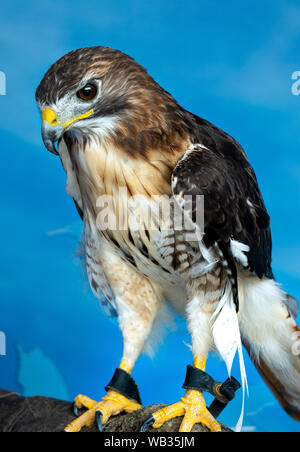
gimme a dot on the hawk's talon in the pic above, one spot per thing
(147, 423)
(193, 409)
(75, 409)
(98, 419)
(112, 404)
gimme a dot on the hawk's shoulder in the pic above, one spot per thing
(217, 168)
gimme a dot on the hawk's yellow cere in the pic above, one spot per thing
(51, 118)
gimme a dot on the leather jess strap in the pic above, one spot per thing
(223, 392)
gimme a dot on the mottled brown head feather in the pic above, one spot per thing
(148, 115)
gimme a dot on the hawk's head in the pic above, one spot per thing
(100, 91)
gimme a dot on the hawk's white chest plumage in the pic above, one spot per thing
(159, 252)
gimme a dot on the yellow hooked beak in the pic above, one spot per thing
(52, 130)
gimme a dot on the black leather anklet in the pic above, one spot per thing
(123, 383)
(223, 392)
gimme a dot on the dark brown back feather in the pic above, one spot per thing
(222, 173)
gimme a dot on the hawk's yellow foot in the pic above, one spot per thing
(122, 395)
(194, 410)
(112, 404)
(192, 406)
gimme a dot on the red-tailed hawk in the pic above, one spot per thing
(128, 149)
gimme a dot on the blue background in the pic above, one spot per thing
(228, 62)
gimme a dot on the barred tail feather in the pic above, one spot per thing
(272, 337)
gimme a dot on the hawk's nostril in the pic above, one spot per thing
(50, 117)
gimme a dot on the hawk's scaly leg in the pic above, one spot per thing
(192, 406)
(137, 301)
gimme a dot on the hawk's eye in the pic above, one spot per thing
(88, 92)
